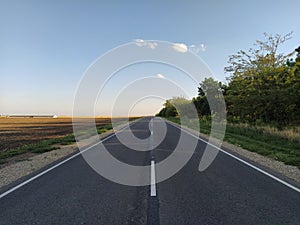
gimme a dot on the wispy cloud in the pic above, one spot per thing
(143, 43)
(159, 75)
(202, 47)
(139, 42)
(180, 47)
(197, 49)
(152, 45)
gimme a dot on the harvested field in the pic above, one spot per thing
(16, 132)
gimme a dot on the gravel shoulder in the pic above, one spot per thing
(14, 171)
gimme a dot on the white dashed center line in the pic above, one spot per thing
(153, 181)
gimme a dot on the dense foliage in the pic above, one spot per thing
(263, 86)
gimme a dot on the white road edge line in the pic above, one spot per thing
(241, 160)
(60, 163)
(153, 181)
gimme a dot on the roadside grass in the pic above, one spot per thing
(104, 128)
(291, 133)
(282, 145)
(46, 145)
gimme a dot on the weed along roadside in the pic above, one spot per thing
(257, 145)
(266, 141)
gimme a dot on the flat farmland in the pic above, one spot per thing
(17, 132)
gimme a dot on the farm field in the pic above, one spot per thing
(17, 132)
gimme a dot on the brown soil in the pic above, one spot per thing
(15, 132)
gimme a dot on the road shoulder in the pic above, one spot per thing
(291, 172)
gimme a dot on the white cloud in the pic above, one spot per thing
(196, 49)
(202, 47)
(159, 75)
(143, 43)
(152, 45)
(180, 47)
(139, 42)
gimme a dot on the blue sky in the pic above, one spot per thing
(46, 46)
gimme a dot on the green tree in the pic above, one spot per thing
(261, 82)
(178, 106)
(169, 110)
(209, 91)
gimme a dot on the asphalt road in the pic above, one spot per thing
(228, 192)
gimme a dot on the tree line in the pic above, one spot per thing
(263, 86)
